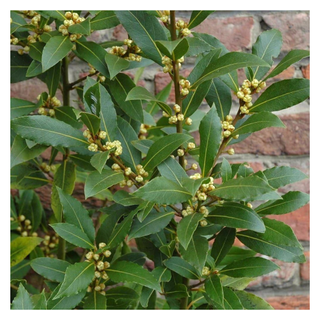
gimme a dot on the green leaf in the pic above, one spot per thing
(97, 182)
(231, 300)
(140, 93)
(17, 23)
(120, 87)
(172, 170)
(39, 301)
(210, 139)
(34, 69)
(21, 153)
(48, 131)
(174, 49)
(92, 97)
(19, 107)
(125, 134)
(197, 46)
(197, 17)
(64, 303)
(95, 301)
(278, 242)
(163, 191)
(226, 171)
(249, 267)
(293, 56)
(161, 96)
(196, 252)
(99, 160)
(220, 95)
(55, 50)
(267, 47)
(67, 115)
(121, 271)
(177, 292)
(290, 202)
(50, 268)
(142, 145)
(104, 20)
(235, 254)
(83, 27)
(76, 214)
(144, 30)
(53, 78)
(33, 211)
(186, 228)
(94, 54)
(22, 300)
(152, 224)
(36, 50)
(163, 148)
(242, 189)
(258, 122)
(73, 234)
(236, 215)
(91, 121)
(182, 267)
(122, 293)
(19, 66)
(251, 301)
(282, 95)
(125, 199)
(77, 279)
(222, 244)
(56, 14)
(214, 289)
(227, 63)
(280, 176)
(115, 64)
(21, 247)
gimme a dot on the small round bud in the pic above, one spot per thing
(102, 78)
(229, 118)
(255, 83)
(194, 166)
(164, 114)
(247, 98)
(164, 19)
(102, 245)
(20, 51)
(89, 255)
(89, 289)
(191, 145)
(75, 16)
(185, 32)
(24, 234)
(96, 257)
(106, 265)
(184, 91)
(180, 152)
(127, 171)
(173, 119)
(249, 205)
(68, 15)
(21, 218)
(51, 112)
(246, 84)
(52, 245)
(107, 253)
(180, 60)
(262, 84)
(231, 127)
(27, 222)
(129, 183)
(203, 223)
(105, 276)
(100, 265)
(102, 134)
(236, 136)
(226, 133)
(180, 117)
(188, 121)
(205, 271)
(47, 28)
(240, 94)
(139, 178)
(176, 108)
(115, 166)
(230, 151)
(97, 288)
(202, 196)
(34, 234)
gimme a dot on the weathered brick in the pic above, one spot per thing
(234, 32)
(298, 220)
(305, 268)
(306, 71)
(294, 27)
(290, 302)
(120, 33)
(291, 140)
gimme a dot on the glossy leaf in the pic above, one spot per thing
(231, 300)
(267, 47)
(36, 50)
(95, 301)
(223, 244)
(186, 228)
(99, 160)
(290, 202)
(55, 50)
(144, 30)
(21, 247)
(226, 171)
(258, 122)
(197, 17)
(282, 95)
(251, 301)
(67, 115)
(173, 49)
(292, 57)
(73, 234)
(278, 242)
(104, 20)
(48, 131)
(22, 300)
(34, 69)
(280, 176)
(83, 27)
(115, 64)
(235, 254)
(39, 301)
(130, 272)
(163, 148)
(243, 189)
(214, 289)
(97, 182)
(210, 139)
(249, 267)
(19, 66)
(77, 279)
(19, 107)
(163, 191)
(152, 224)
(152, 107)
(91, 121)
(181, 267)
(50, 268)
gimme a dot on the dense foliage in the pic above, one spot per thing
(172, 208)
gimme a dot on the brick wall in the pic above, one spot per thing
(287, 288)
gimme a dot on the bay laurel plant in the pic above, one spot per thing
(171, 207)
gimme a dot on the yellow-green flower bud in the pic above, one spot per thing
(230, 151)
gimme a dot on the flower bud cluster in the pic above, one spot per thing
(100, 274)
(182, 26)
(164, 16)
(71, 19)
(245, 93)
(114, 144)
(47, 168)
(205, 271)
(143, 131)
(130, 54)
(185, 86)
(24, 226)
(47, 108)
(227, 126)
(49, 243)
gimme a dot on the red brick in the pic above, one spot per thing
(120, 33)
(290, 302)
(294, 27)
(234, 32)
(298, 220)
(306, 71)
(291, 140)
(305, 268)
